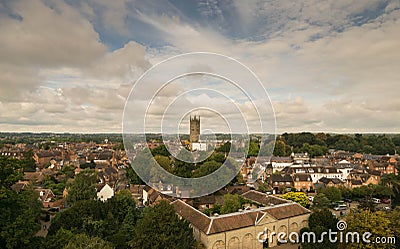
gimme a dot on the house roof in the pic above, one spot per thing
(326, 180)
(281, 178)
(208, 199)
(194, 216)
(238, 189)
(19, 186)
(355, 182)
(231, 222)
(47, 153)
(301, 177)
(263, 199)
(286, 211)
(374, 172)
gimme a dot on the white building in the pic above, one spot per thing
(105, 193)
(278, 166)
(199, 146)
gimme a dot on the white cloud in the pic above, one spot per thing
(328, 65)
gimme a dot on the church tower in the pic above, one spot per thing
(194, 129)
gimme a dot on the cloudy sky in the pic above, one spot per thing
(68, 66)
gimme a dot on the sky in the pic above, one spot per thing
(330, 66)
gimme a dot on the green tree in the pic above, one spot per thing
(324, 218)
(161, 151)
(134, 178)
(231, 204)
(90, 165)
(225, 148)
(29, 164)
(254, 148)
(298, 197)
(165, 162)
(184, 168)
(9, 172)
(392, 181)
(345, 192)
(280, 148)
(19, 212)
(59, 240)
(394, 217)
(20, 223)
(216, 209)
(206, 168)
(160, 227)
(82, 241)
(68, 171)
(332, 193)
(320, 221)
(375, 223)
(264, 187)
(321, 201)
(83, 187)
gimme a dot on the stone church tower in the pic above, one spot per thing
(194, 129)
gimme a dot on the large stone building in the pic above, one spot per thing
(244, 229)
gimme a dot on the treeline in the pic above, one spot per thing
(37, 138)
(318, 144)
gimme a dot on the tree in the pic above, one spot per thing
(367, 204)
(225, 148)
(298, 197)
(264, 187)
(280, 148)
(28, 163)
(82, 241)
(231, 204)
(254, 147)
(321, 201)
(68, 171)
(165, 162)
(160, 227)
(83, 187)
(393, 182)
(9, 172)
(375, 223)
(394, 217)
(90, 165)
(161, 151)
(323, 218)
(332, 193)
(19, 212)
(184, 168)
(134, 178)
(112, 220)
(206, 168)
(320, 221)
(345, 192)
(216, 209)
(59, 240)
(19, 219)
